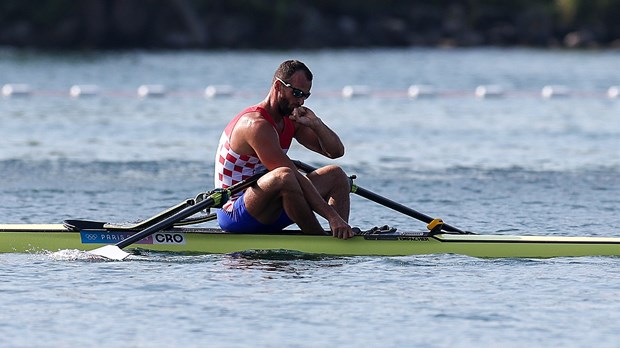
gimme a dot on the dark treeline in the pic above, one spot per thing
(285, 24)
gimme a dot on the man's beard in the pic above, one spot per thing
(284, 108)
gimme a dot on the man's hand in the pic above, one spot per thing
(305, 116)
(340, 229)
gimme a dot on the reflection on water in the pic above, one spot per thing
(279, 255)
(286, 263)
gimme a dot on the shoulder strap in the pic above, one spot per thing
(286, 137)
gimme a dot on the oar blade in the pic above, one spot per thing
(220, 196)
(111, 252)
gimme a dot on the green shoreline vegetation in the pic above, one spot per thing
(288, 24)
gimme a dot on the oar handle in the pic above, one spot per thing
(384, 201)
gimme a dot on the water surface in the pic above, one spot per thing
(519, 164)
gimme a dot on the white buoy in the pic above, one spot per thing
(151, 91)
(77, 91)
(554, 92)
(213, 91)
(489, 91)
(16, 90)
(421, 91)
(355, 91)
(613, 92)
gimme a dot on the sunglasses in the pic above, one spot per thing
(297, 93)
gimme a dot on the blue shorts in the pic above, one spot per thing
(239, 220)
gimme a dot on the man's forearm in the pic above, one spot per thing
(328, 139)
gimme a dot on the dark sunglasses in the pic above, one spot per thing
(297, 93)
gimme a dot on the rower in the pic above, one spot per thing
(258, 138)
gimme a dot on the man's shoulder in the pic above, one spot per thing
(253, 118)
(253, 123)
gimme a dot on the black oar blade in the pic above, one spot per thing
(78, 225)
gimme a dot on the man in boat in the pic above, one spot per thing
(258, 138)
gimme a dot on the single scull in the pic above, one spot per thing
(21, 238)
(167, 231)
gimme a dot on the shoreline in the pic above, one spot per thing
(239, 24)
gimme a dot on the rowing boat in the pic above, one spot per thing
(167, 231)
(35, 238)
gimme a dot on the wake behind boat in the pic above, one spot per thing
(33, 238)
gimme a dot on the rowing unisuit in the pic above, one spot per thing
(231, 167)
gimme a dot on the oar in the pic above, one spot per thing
(78, 225)
(215, 199)
(386, 202)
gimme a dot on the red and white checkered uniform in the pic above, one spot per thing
(231, 167)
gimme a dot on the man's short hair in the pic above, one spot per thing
(289, 67)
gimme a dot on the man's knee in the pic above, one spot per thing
(333, 178)
(284, 178)
(336, 173)
(283, 173)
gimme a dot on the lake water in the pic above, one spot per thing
(517, 164)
